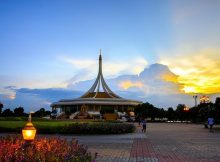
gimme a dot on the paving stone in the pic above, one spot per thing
(163, 142)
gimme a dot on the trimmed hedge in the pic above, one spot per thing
(79, 128)
(98, 128)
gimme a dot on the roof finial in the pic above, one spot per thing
(94, 91)
(100, 54)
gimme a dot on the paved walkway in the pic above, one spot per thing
(163, 142)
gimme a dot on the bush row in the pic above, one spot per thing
(81, 128)
(98, 128)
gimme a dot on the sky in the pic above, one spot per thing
(53, 45)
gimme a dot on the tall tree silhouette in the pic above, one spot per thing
(19, 111)
(7, 113)
(1, 106)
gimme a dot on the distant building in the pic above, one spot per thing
(98, 98)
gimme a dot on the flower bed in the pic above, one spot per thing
(12, 148)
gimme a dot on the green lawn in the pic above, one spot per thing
(21, 124)
(12, 124)
(16, 126)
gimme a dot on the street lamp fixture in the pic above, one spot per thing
(195, 98)
(186, 108)
(204, 99)
(29, 131)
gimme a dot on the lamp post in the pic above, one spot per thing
(195, 98)
(29, 131)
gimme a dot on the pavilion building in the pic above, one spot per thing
(97, 98)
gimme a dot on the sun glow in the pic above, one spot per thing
(198, 72)
(195, 83)
(189, 89)
(128, 84)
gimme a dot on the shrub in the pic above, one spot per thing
(12, 148)
(107, 127)
(98, 128)
(106, 121)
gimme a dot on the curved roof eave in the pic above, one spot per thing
(97, 101)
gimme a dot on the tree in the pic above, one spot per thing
(194, 114)
(41, 113)
(217, 109)
(147, 110)
(170, 114)
(7, 113)
(1, 106)
(19, 111)
(205, 110)
(161, 113)
(217, 102)
(47, 113)
(180, 112)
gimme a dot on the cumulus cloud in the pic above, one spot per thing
(198, 71)
(126, 84)
(155, 84)
(156, 79)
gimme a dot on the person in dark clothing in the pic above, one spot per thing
(144, 125)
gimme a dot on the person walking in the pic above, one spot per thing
(144, 125)
(210, 123)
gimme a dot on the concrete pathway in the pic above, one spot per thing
(163, 142)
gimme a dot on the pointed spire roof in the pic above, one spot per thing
(100, 89)
(98, 94)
